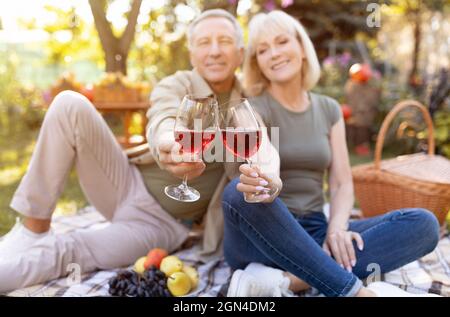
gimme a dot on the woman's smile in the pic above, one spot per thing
(279, 65)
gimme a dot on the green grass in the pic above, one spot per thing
(14, 158)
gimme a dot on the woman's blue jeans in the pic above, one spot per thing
(270, 234)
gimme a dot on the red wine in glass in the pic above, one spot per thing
(243, 143)
(194, 142)
(193, 139)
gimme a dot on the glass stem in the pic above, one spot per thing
(184, 184)
(249, 162)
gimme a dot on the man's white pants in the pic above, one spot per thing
(73, 132)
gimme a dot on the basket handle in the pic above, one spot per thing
(387, 121)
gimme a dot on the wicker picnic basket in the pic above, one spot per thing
(416, 180)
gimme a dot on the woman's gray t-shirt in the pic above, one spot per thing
(304, 147)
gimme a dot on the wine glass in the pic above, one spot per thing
(241, 134)
(195, 129)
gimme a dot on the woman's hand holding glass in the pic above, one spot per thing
(242, 136)
(257, 186)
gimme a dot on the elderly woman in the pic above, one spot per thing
(286, 243)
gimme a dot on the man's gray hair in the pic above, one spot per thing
(219, 13)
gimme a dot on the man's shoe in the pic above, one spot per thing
(18, 240)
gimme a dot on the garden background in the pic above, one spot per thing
(406, 43)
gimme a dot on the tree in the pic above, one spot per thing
(160, 46)
(70, 40)
(70, 36)
(229, 5)
(325, 21)
(413, 10)
(116, 49)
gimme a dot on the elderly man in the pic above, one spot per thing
(128, 193)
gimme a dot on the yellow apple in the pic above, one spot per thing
(193, 275)
(171, 264)
(139, 265)
(179, 284)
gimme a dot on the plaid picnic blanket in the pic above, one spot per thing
(429, 274)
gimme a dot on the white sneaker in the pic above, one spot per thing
(18, 240)
(258, 280)
(383, 289)
(244, 284)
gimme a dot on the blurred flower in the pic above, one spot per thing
(47, 96)
(270, 5)
(286, 3)
(376, 74)
(341, 61)
(344, 59)
(329, 61)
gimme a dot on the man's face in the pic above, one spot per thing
(214, 50)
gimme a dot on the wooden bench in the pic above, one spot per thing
(128, 108)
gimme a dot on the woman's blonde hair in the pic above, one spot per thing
(277, 21)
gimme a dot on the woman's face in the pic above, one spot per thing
(280, 57)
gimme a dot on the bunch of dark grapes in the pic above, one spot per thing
(152, 283)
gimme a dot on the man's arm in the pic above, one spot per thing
(165, 99)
